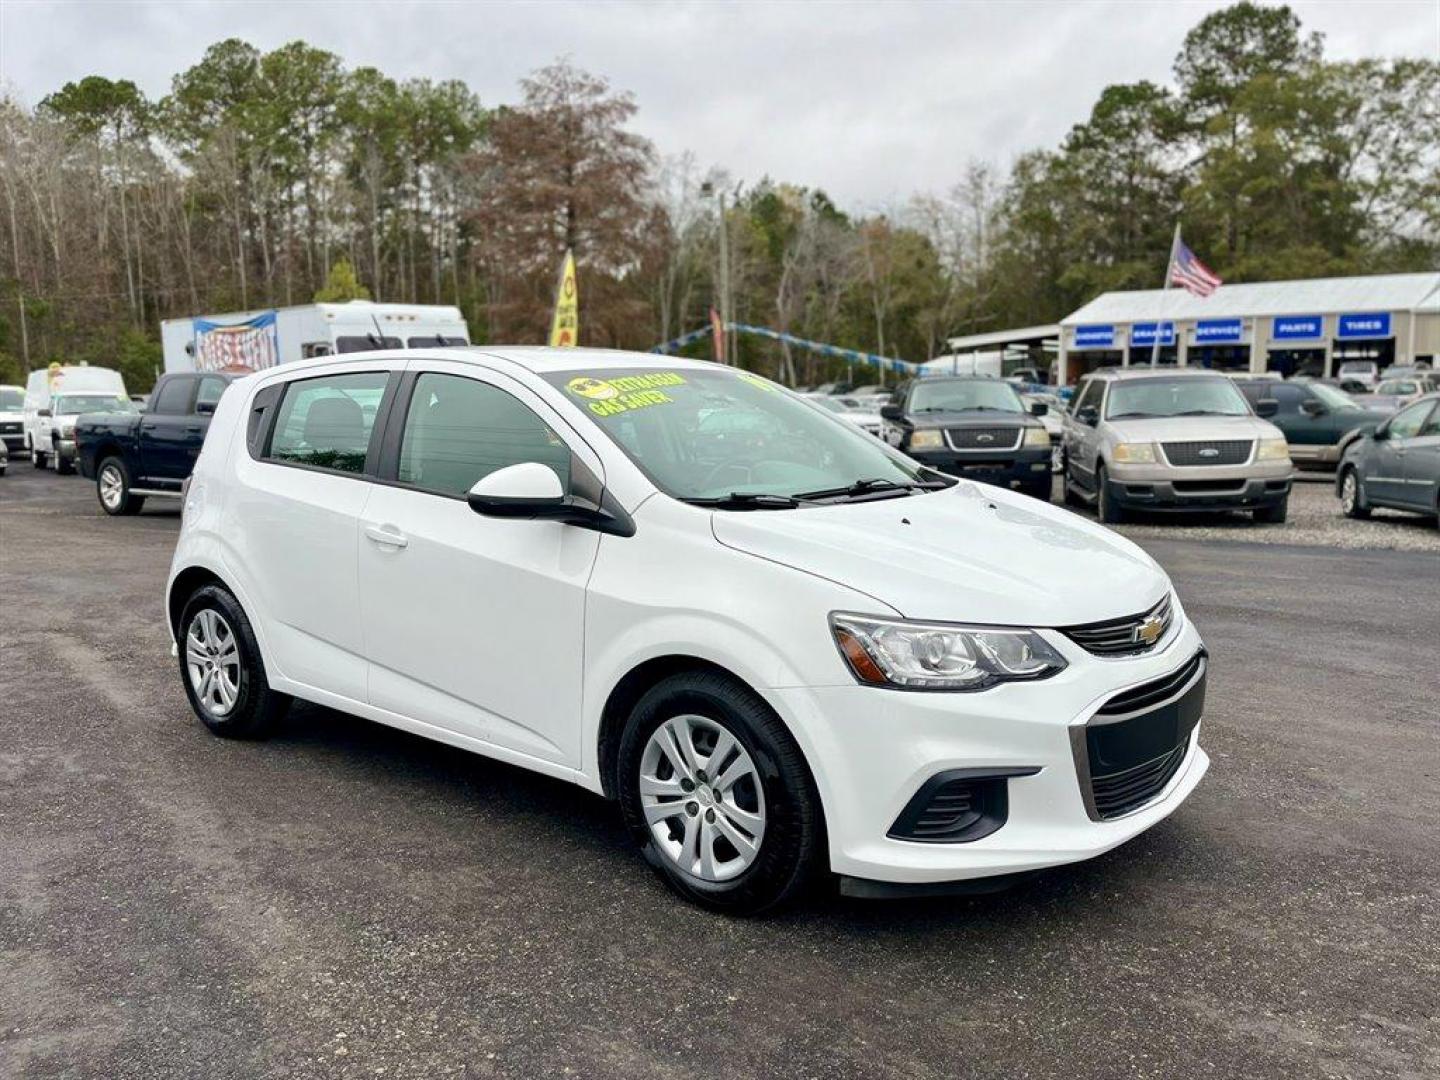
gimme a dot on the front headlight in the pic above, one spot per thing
(940, 656)
(926, 440)
(1036, 436)
(1273, 450)
(1134, 453)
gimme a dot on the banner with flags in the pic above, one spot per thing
(565, 330)
(253, 344)
(1189, 272)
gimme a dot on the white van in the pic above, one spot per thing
(12, 418)
(42, 435)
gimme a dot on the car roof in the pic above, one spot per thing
(1152, 373)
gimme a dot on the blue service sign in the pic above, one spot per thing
(1373, 324)
(1218, 331)
(1097, 336)
(1296, 327)
(1143, 333)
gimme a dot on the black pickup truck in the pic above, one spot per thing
(132, 456)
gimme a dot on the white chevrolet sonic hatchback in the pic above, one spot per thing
(783, 646)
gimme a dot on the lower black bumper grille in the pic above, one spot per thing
(957, 806)
(1137, 741)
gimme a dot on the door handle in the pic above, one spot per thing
(386, 537)
(192, 428)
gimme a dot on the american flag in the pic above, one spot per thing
(1190, 273)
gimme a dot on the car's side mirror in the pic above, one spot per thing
(204, 408)
(1381, 433)
(1267, 407)
(43, 412)
(533, 490)
(1089, 416)
(1038, 408)
(891, 411)
(1311, 407)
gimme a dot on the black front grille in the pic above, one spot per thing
(1122, 637)
(1210, 452)
(983, 438)
(1188, 486)
(1121, 792)
(1137, 740)
(9, 429)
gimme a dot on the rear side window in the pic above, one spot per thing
(326, 422)
(458, 430)
(174, 397)
(435, 341)
(210, 391)
(365, 343)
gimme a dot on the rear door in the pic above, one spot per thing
(164, 434)
(302, 479)
(475, 624)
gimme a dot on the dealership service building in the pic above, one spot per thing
(1280, 326)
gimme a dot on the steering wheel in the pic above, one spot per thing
(710, 477)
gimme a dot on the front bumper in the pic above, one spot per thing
(873, 749)
(14, 442)
(1166, 487)
(1027, 466)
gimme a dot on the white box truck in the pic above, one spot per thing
(262, 339)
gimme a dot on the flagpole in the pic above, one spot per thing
(1165, 288)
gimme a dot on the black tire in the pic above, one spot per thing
(1274, 515)
(37, 459)
(256, 709)
(126, 503)
(1105, 507)
(63, 465)
(1355, 505)
(1038, 490)
(792, 845)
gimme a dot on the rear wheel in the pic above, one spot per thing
(37, 458)
(221, 668)
(1352, 495)
(1106, 508)
(112, 485)
(718, 796)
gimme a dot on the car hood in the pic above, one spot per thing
(1193, 428)
(970, 418)
(969, 553)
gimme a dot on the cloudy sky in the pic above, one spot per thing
(871, 101)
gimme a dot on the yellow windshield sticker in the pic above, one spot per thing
(606, 397)
(756, 380)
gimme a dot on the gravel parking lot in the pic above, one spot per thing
(347, 900)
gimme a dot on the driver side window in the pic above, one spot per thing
(458, 430)
(1406, 424)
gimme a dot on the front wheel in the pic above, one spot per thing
(1274, 515)
(38, 459)
(1352, 496)
(63, 465)
(112, 486)
(1106, 509)
(718, 796)
(1039, 489)
(221, 668)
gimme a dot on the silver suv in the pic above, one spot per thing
(1172, 439)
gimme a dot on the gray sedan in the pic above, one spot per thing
(1397, 466)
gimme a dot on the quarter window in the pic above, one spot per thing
(326, 422)
(210, 391)
(458, 430)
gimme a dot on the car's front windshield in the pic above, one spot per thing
(709, 434)
(1398, 386)
(947, 395)
(12, 400)
(73, 404)
(1143, 399)
(1332, 397)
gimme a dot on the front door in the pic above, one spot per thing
(1388, 480)
(1422, 463)
(474, 624)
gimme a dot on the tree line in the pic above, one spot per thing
(266, 179)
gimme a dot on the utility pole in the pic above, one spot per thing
(726, 315)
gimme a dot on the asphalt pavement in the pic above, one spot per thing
(348, 900)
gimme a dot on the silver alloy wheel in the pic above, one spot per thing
(702, 798)
(212, 656)
(1349, 492)
(112, 487)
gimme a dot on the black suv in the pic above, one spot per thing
(975, 427)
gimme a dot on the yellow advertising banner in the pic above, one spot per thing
(565, 330)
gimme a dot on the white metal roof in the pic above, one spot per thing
(1003, 337)
(1320, 296)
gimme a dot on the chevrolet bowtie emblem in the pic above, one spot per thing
(1148, 632)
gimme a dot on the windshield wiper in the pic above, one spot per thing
(747, 500)
(1133, 416)
(874, 484)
